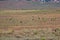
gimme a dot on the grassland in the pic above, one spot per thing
(30, 24)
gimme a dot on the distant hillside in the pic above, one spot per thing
(27, 5)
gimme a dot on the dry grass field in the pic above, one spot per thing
(30, 24)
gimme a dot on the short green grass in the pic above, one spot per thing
(28, 11)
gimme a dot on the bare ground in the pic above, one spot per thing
(30, 25)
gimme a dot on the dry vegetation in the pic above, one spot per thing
(29, 24)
